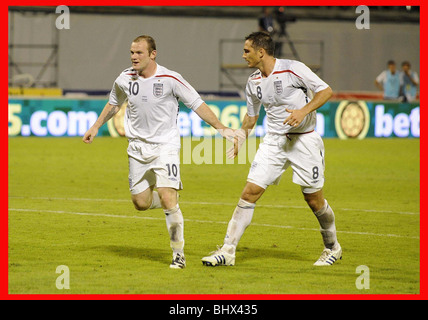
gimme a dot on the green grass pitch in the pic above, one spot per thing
(69, 205)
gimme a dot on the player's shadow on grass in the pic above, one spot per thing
(246, 253)
(151, 254)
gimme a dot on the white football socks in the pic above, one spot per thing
(243, 215)
(241, 219)
(175, 226)
(325, 218)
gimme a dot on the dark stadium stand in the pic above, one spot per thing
(378, 13)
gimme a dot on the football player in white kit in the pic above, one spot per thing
(283, 87)
(154, 139)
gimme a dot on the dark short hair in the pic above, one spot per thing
(405, 63)
(391, 62)
(262, 40)
(151, 44)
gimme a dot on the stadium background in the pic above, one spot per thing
(95, 49)
(66, 198)
(204, 44)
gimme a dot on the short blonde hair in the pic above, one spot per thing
(151, 44)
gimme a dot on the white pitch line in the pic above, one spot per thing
(214, 204)
(203, 221)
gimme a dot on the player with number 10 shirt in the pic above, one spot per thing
(150, 124)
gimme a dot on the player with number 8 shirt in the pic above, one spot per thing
(284, 88)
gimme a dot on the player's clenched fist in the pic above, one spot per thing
(90, 135)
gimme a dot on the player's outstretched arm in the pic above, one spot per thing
(241, 135)
(206, 114)
(108, 112)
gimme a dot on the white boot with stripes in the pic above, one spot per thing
(219, 258)
(329, 256)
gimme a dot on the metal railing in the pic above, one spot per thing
(235, 74)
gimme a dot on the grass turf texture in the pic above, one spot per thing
(69, 204)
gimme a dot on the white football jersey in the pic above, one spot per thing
(151, 114)
(286, 87)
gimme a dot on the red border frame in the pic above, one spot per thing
(4, 295)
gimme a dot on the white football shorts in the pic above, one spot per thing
(303, 152)
(152, 164)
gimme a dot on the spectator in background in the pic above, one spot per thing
(266, 24)
(389, 82)
(409, 82)
(266, 21)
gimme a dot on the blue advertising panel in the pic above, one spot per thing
(344, 119)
